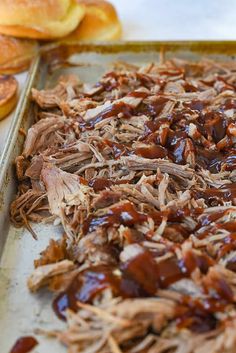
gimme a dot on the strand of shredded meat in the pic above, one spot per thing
(140, 171)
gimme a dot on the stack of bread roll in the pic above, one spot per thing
(26, 23)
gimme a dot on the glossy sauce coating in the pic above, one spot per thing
(125, 214)
(225, 193)
(131, 279)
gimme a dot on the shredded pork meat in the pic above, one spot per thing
(140, 171)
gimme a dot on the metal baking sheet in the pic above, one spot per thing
(21, 312)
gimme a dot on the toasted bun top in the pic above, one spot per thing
(100, 22)
(32, 13)
(8, 94)
(8, 88)
(16, 54)
(50, 18)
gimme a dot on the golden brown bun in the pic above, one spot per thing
(8, 94)
(40, 19)
(100, 22)
(16, 54)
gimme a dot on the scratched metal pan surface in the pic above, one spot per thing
(20, 312)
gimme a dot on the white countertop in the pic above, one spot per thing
(166, 20)
(177, 19)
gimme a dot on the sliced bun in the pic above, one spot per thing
(16, 54)
(8, 94)
(40, 19)
(100, 22)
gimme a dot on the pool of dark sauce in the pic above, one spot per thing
(24, 345)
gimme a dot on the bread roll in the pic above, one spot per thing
(40, 19)
(100, 22)
(8, 94)
(16, 54)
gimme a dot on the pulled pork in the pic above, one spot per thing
(140, 171)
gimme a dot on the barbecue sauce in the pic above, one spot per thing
(152, 109)
(118, 149)
(229, 104)
(125, 214)
(225, 193)
(151, 152)
(211, 160)
(99, 184)
(24, 345)
(214, 125)
(141, 276)
(207, 219)
(231, 265)
(138, 94)
(154, 275)
(229, 244)
(113, 110)
(198, 315)
(230, 161)
(84, 287)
